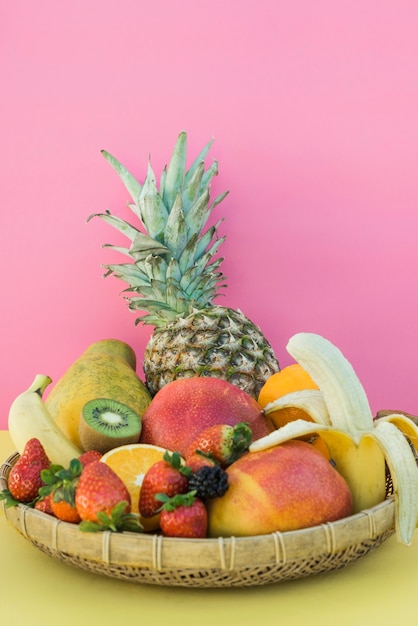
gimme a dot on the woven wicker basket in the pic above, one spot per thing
(224, 562)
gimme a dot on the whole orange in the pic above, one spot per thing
(289, 379)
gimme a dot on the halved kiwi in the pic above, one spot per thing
(106, 423)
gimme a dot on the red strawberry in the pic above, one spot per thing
(169, 476)
(89, 456)
(64, 511)
(198, 460)
(44, 505)
(222, 442)
(25, 476)
(60, 485)
(184, 516)
(99, 490)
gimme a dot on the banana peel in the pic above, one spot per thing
(311, 401)
(363, 448)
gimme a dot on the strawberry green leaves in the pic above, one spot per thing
(117, 521)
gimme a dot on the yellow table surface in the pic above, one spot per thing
(379, 589)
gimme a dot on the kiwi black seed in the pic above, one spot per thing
(106, 423)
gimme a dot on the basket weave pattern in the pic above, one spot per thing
(223, 562)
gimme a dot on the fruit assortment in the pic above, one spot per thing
(218, 441)
(230, 477)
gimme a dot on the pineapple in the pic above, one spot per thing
(173, 276)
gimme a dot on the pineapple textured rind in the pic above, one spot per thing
(235, 349)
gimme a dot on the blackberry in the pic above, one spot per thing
(209, 482)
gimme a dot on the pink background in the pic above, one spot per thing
(314, 110)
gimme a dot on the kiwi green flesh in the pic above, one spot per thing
(105, 424)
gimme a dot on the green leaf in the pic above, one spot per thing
(143, 245)
(175, 233)
(158, 289)
(153, 210)
(188, 255)
(119, 224)
(175, 171)
(198, 214)
(156, 319)
(130, 182)
(155, 267)
(192, 187)
(132, 524)
(176, 461)
(9, 500)
(90, 527)
(144, 304)
(105, 521)
(173, 296)
(201, 274)
(173, 271)
(45, 490)
(181, 499)
(162, 181)
(218, 200)
(120, 249)
(61, 481)
(131, 273)
(206, 239)
(209, 174)
(49, 476)
(198, 160)
(117, 521)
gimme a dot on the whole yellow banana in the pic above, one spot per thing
(29, 417)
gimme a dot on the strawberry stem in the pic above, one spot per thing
(181, 499)
(117, 521)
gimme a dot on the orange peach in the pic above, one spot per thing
(288, 487)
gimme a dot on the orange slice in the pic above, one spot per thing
(130, 463)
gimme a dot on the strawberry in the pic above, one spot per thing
(222, 442)
(169, 476)
(63, 510)
(102, 500)
(198, 459)
(60, 485)
(44, 505)
(184, 516)
(25, 476)
(89, 456)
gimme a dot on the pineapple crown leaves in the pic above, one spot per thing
(117, 521)
(171, 266)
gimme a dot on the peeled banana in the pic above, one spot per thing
(360, 446)
(29, 417)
